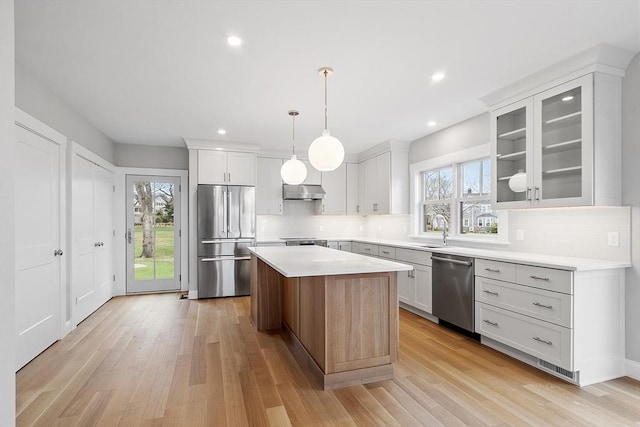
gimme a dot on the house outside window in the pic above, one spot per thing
(475, 198)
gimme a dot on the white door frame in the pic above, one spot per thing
(32, 124)
(156, 284)
(120, 224)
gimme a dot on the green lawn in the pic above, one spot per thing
(164, 268)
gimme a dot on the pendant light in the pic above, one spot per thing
(326, 152)
(293, 171)
(518, 182)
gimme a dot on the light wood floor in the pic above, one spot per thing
(157, 360)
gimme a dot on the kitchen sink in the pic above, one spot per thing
(431, 246)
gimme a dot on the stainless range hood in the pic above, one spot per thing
(302, 192)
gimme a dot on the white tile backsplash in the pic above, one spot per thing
(579, 232)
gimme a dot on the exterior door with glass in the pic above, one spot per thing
(153, 233)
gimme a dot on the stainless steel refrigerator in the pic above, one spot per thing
(226, 228)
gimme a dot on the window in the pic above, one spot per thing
(437, 197)
(475, 198)
(461, 195)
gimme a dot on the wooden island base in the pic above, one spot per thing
(343, 328)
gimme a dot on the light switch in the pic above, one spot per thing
(613, 238)
(519, 234)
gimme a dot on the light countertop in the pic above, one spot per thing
(302, 261)
(535, 259)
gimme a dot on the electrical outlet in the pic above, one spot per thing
(519, 234)
(262, 228)
(361, 228)
(613, 238)
(322, 228)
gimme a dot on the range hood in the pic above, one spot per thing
(302, 192)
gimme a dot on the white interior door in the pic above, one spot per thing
(37, 236)
(92, 237)
(153, 233)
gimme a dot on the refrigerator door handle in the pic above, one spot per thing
(238, 258)
(228, 211)
(225, 210)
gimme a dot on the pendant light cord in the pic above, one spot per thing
(326, 72)
(293, 152)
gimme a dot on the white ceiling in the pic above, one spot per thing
(152, 72)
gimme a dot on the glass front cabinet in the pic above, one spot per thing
(545, 151)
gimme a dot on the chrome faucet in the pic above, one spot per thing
(444, 228)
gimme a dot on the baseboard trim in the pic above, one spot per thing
(193, 294)
(632, 369)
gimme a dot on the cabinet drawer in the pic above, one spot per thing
(386, 252)
(549, 306)
(496, 270)
(413, 256)
(368, 249)
(544, 340)
(545, 278)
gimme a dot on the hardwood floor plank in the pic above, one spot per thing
(151, 360)
(278, 417)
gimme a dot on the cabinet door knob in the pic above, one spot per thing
(58, 252)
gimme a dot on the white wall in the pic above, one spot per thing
(631, 197)
(458, 137)
(7, 267)
(148, 156)
(40, 102)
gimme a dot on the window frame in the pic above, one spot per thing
(454, 160)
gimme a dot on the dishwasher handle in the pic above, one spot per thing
(453, 261)
(239, 258)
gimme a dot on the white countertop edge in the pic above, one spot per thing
(540, 260)
(358, 264)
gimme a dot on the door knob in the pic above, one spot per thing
(57, 252)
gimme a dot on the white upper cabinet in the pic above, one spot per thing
(384, 183)
(335, 186)
(566, 139)
(353, 202)
(269, 186)
(226, 167)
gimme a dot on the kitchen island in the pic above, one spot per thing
(338, 309)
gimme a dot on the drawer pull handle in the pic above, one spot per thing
(491, 323)
(543, 341)
(367, 249)
(492, 270)
(546, 279)
(537, 304)
(385, 252)
(491, 293)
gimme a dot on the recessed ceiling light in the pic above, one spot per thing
(234, 40)
(221, 131)
(437, 76)
(431, 123)
(567, 98)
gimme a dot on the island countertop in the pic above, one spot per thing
(305, 261)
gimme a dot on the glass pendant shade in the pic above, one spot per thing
(518, 182)
(326, 153)
(293, 171)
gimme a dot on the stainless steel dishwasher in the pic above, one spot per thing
(453, 289)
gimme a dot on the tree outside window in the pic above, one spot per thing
(438, 191)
